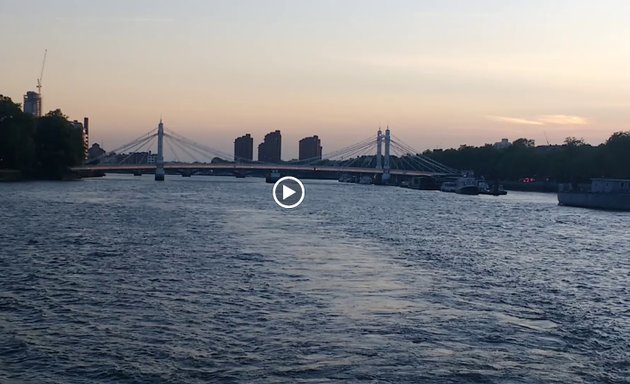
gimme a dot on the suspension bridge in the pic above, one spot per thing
(384, 158)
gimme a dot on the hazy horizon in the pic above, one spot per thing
(440, 73)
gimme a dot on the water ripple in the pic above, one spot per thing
(206, 280)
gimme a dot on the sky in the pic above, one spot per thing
(439, 73)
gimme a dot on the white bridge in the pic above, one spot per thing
(367, 157)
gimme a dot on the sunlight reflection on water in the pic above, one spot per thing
(205, 279)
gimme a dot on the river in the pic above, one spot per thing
(125, 280)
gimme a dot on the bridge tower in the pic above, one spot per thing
(386, 166)
(379, 147)
(159, 162)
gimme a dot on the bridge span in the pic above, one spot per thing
(243, 168)
(357, 159)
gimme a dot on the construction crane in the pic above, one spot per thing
(41, 74)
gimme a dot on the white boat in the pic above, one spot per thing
(467, 186)
(613, 194)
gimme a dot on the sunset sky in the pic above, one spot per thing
(440, 73)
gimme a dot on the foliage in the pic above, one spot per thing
(17, 149)
(574, 160)
(218, 160)
(40, 147)
(617, 154)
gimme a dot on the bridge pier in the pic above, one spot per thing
(159, 174)
(386, 165)
(379, 145)
(159, 163)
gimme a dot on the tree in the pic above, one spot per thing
(573, 161)
(58, 144)
(218, 160)
(16, 136)
(574, 141)
(617, 158)
(619, 139)
(523, 142)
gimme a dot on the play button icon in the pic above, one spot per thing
(288, 192)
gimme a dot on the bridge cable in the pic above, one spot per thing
(436, 164)
(170, 148)
(181, 147)
(135, 149)
(124, 147)
(204, 155)
(210, 150)
(405, 158)
(205, 151)
(422, 161)
(342, 151)
(353, 155)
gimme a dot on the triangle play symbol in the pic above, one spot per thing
(287, 192)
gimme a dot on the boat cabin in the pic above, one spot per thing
(610, 185)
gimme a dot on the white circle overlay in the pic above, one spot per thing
(275, 186)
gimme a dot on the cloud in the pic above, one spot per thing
(563, 120)
(542, 120)
(514, 120)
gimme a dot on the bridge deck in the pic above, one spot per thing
(244, 167)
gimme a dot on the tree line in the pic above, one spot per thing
(572, 161)
(47, 146)
(38, 147)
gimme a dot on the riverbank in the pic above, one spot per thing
(10, 175)
(15, 175)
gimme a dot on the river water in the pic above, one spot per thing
(204, 279)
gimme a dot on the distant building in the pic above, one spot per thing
(33, 103)
(270, 150)
(130, 158)
(503, 144)
(152, 158)
(84, 134)
(133, 158)
(244, 148)
(95, 152)
(310, 148)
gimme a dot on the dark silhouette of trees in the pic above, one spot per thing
(38, 147)
(617, 154)
(17, 148)
(58, 144)
(574, 160)
(524, 143)
(45, 147)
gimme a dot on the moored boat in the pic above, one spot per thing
(273, 176)
(612, 194)
(448, 186)
(491, 189)
(467, 186)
